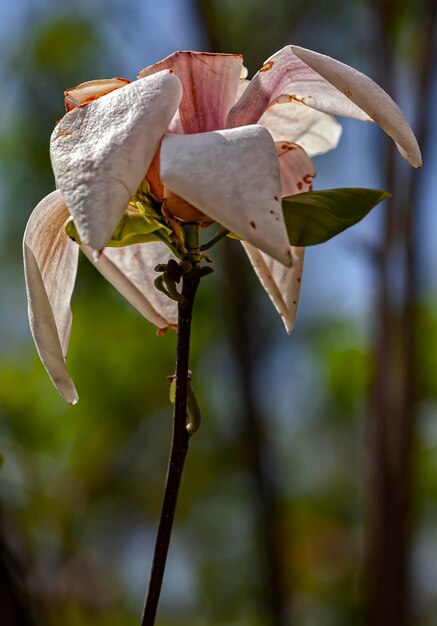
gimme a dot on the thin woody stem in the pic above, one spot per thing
(178, 452)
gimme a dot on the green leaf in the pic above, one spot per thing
(316, 216)
(133, 228)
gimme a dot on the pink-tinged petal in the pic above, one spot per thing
(315, 131)
(281, 283)
(101, 153)
(131, 271)
(50, 265)
(91, 90)
(232, 176)
(369, 97)
(320, 82)
(296, 168)
(284, 77)
(209, 82)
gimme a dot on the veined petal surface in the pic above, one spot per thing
(281, 283)
(284, 77)
(101, 152)
(233, 177)
(50, 265)
(315, 131)
(320, 82)
(368, 96)
(209, 82)
(131, 271)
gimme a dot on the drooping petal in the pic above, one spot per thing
(233, 177)
(50, 264)
(209, 82)
(285, 78)
(315, 131)
(131, 271)
(320, 82)
(91, 90)
(281, 283)
(369, 97)
(100, 153)
(296, 168)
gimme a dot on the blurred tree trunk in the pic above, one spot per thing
(245, 332)
(395, 384)
(17, 607)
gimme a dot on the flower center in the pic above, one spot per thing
(184, 211)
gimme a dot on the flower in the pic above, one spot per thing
(207, 145)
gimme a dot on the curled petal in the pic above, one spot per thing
(281, 283)
(50, 265)
(100, 153)
(368, 96)
(131, 271)
(315, 131)
(320, 82)
(209, 82)
(91, 90)
(233, 177)
(297, 170)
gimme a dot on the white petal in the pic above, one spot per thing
(297, 170)
(369, 97)
(233, 177)
(50, 265)
(315, 131)
(281, 283)
(296, 74)
(284, 77)
(131, 271)
(101, 152)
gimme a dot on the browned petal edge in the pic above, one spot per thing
(267, 66)
(160, 332)
(72, 100)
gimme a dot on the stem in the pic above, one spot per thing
(179, 449)
(222, 232)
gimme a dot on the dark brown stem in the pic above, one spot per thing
(179, 449)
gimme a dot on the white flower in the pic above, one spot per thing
(216, 147)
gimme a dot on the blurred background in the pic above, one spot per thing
(310, 493)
